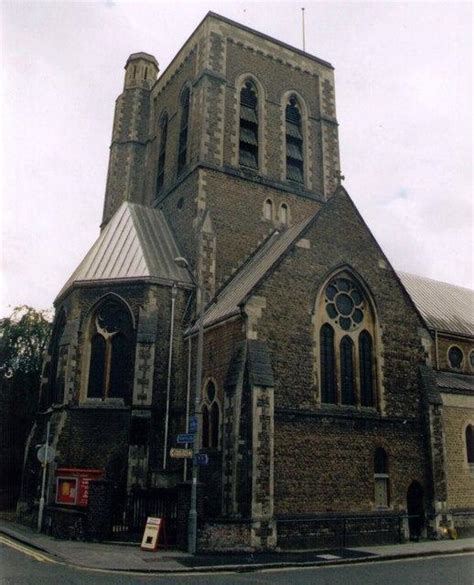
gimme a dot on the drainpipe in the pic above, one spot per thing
(174, 291)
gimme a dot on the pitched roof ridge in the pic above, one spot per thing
(421, 277)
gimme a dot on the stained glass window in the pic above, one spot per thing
(347, 371)
(365, 369)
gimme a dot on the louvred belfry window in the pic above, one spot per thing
(294, 142)
(111, 353)
(160, 177)
(248, 139)
(183, 131)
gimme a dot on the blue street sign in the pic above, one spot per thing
(185, 438)
(192, 425)
(202, 459)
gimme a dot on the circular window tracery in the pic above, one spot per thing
(344, 303)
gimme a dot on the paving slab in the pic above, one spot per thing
(129, 557)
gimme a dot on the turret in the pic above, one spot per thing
(125, 178)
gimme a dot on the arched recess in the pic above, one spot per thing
(109, 351)
(350, 376)
(292, 140)
(184, 125)
(260, 115)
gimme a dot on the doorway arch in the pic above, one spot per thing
(416, 510)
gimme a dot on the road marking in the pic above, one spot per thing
(25, 550)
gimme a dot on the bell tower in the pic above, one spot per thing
(125, 177)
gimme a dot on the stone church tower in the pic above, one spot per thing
(312, 402)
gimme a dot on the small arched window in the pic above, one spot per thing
(328, 378)
(210, 418)
(248, 138)
(284, 214)
(111, 353)
(381, 478)
(470, 443)
(160, 177)
(183, 130)
(347, 371)
(268, 209)
(365, 369)
(455, 357)
(294, 142)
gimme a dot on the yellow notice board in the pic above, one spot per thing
(151, 535)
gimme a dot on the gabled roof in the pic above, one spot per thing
(136, 244)
(227, 302)
(444, 307)
(450, 382)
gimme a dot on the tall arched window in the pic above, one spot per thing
(347, 371)
(183, 130)
(381, 478)
(470, 444)
(328, 378)
(365, 369)
(111, 353)
(294, 142)
(210, 418)
(248, 138)
(346, 322)
(160, 177)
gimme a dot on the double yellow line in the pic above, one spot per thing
(25, 550)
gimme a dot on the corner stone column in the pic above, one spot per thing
(263, 527)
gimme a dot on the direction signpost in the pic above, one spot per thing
(184, 438)
(177, 453)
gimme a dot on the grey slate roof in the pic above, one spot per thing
(444, 307)
(136, 244)
(228, 300)
(454, 382)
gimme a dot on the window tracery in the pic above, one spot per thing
(210, 418)
(346, 348)
(111, 353)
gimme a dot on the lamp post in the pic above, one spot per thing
(192, 518)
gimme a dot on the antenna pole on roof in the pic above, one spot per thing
(302, 15)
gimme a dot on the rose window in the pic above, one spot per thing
(344, 303)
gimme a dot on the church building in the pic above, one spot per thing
(337, 396)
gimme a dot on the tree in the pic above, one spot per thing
(23, 339)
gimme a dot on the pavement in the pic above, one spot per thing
(130, 558)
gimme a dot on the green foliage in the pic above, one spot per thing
(23, 339)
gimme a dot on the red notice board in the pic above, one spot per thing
(72, 485)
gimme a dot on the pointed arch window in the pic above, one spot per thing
(347, 371)
(346, 322)
(284, 214)
(470, 444)
(111, 353)
(294, 142)
(183, 130)
(365, 369)
(160, 177)
(268, 209)
(328, 378)
(248, 132)
(210, 418)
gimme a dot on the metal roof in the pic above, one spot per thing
(454, 382)
(445, 307)
(227, 301)
(136, 244)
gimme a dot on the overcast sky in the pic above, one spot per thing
(403, 98)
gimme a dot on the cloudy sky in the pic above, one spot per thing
(403, 87)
